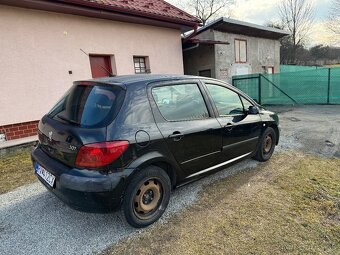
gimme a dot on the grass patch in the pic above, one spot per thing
(289, 205)
(16, 170)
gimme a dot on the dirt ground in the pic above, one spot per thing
(313, 129)
(289, 205)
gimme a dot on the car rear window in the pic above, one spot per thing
(89, 105)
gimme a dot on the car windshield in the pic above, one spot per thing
(89, 106)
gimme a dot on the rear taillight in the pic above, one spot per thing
(100, 154)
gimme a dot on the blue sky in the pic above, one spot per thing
(262, 11)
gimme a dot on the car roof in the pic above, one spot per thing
(142, 78)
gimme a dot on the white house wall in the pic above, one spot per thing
(38, 49)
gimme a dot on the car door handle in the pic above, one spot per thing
(229, 127)
(176, 136)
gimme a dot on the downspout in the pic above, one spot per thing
(192, 34)
(189, 37)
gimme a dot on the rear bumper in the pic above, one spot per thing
(84, 190)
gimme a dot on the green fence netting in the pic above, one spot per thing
(335, 86)
(319, 86)
(295, 68)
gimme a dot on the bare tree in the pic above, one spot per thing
(205, 10)
(297, 16)
(334, 18)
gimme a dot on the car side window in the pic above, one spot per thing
(227, 101)
(180, 102)
(246, 103)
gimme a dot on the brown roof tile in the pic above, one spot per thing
(156, 9)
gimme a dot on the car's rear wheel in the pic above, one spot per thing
(146, 197)
(266, 145)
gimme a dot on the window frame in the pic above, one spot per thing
(270, 67)
(111, 116)
(244, 98)
(237, 40)
(146, 64)
(228, 86)
(155, 109)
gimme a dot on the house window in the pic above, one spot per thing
(270, 70)
(240, 51)
(141, 64)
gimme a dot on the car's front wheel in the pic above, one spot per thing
(146, 197)
(266, 145)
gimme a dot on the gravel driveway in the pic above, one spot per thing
(33, 221)
(314, 129)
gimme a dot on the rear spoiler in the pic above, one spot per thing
(100, 83)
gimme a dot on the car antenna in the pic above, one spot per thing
(110, 74)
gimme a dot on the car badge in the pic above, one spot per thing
(50, 136)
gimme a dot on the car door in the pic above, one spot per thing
(240, 130)
(184, 118)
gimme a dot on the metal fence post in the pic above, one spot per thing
(329, 86)
(260, 75)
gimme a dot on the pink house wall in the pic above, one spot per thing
(38, 49)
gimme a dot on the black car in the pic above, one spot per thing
(126, 142)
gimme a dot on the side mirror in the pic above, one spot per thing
(253, 110)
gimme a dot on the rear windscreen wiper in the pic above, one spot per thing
(68, 120)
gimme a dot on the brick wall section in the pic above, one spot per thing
(19, 130)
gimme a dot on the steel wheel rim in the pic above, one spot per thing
(148, 198)
(267, 144)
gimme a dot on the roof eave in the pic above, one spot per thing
(279, 33)
(88, 11)
(132, 12)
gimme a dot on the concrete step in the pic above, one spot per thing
(12, 144)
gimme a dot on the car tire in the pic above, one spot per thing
(146, 197)
(266, 145)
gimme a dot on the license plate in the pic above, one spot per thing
(44, 174)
